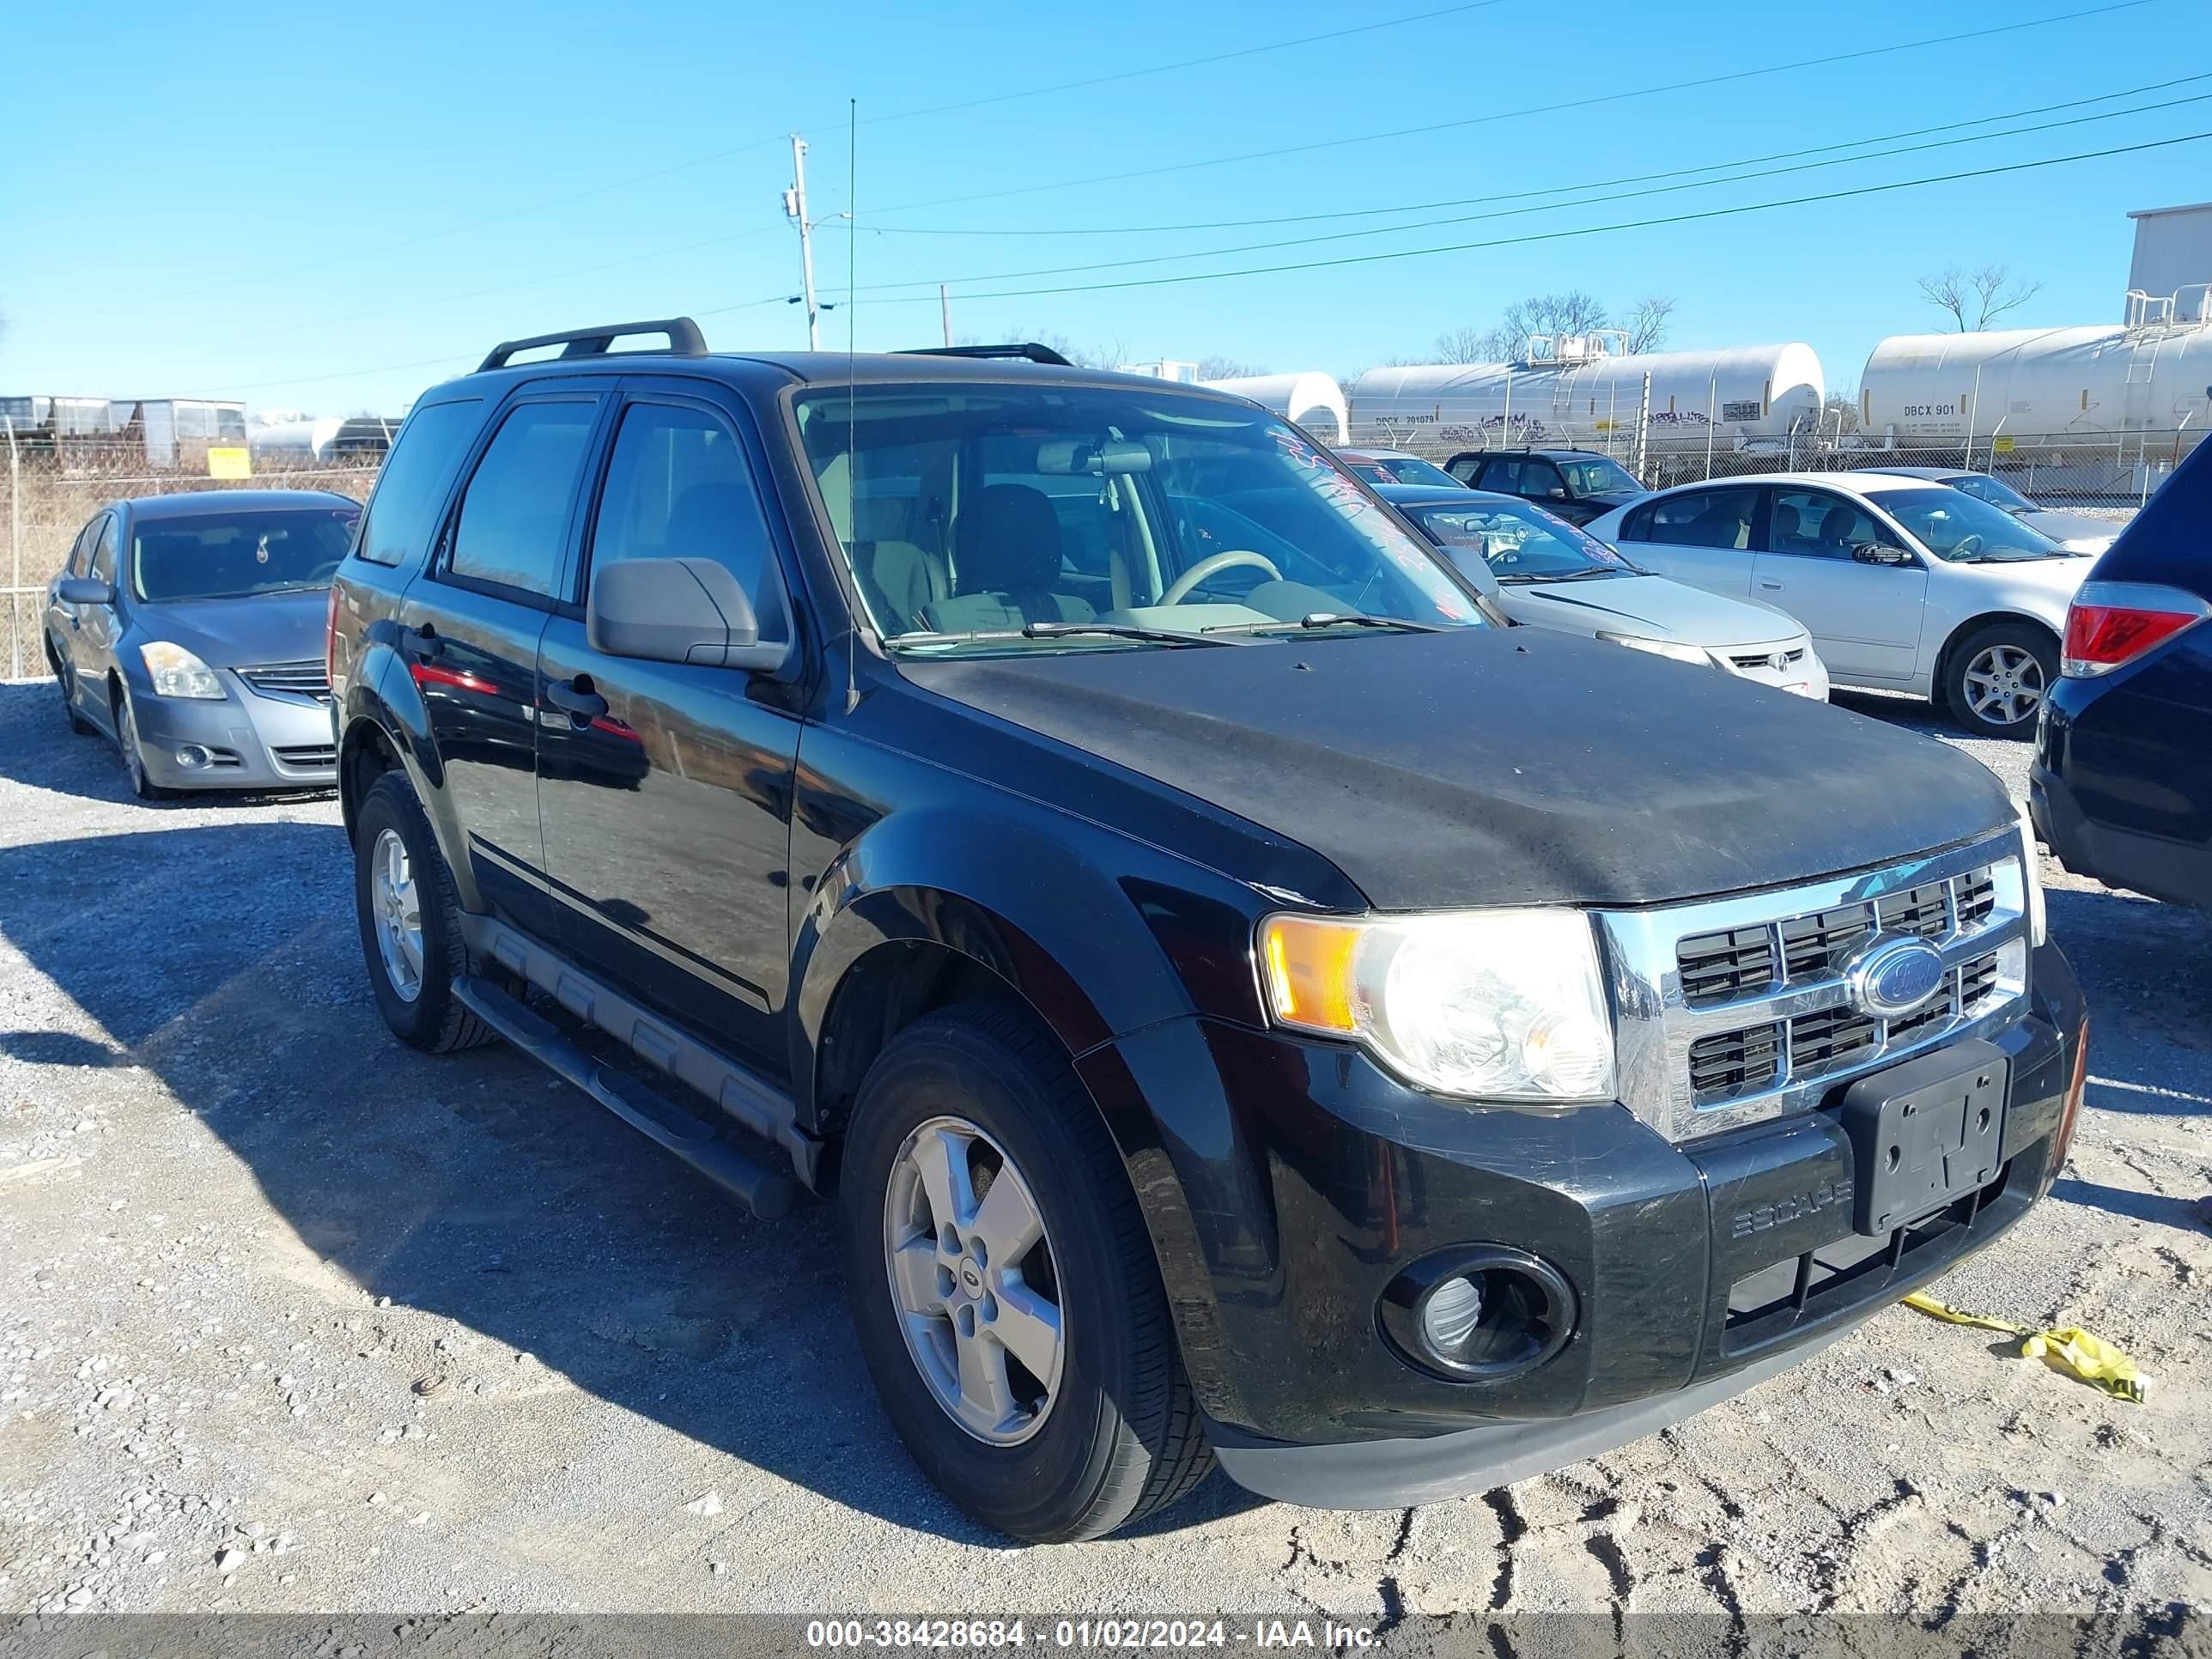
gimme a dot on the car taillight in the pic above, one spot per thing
(2111, 624)
(331, 638)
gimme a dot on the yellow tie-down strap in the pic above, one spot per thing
(2092, 1359)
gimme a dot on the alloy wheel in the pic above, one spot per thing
(973, 1281)
(396, 910)
(2004, 684)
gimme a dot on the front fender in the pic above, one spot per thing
(381, 695)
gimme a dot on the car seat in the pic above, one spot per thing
(1007, 541)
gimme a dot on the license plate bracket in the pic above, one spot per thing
(1926, 1133)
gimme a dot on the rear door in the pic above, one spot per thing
(469, 633)
(1865, 619)
(1705, 537)
(665, 788)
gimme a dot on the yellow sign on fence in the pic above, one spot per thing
(2001, 445)
(231, 462)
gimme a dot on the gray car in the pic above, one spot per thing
(2076, 532)
(189, 630)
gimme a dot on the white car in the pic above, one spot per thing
(1544, 571)
(2077, 533)
(1907, 585)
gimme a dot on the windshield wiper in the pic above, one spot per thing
(1333, 619)
(1057, 630)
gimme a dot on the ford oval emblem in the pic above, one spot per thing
(1894, 976)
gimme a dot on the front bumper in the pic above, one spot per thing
(252, 741)
(1767, 665)
(1699, 1270)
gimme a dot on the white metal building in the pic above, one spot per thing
(2174, 250)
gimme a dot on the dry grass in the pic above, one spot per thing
(55, 502)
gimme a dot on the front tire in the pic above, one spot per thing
(1003, 1285)
(411, 929)
(134, 756)
(1997, 677)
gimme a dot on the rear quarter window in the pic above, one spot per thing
(402, 509)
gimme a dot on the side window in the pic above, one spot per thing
(1636, 526)
(1540, 479)
(103, 552)
(678, 488)
(1503, 475)
(81, 552)
(1464, 467)
(1704, 518)
(411, 486)
(515, 510)
(1814, 524)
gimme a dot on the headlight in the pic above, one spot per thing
(1497, 1004)
(177, 673)
(2030, 876)
(1671, 649)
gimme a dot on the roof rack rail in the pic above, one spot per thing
(1026, 348)
(685, 340)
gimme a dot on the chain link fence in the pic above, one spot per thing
(48, 492)
(2067, 469)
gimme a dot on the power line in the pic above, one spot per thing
(353, 255)
(1541, 206)
(1508, 196)
(1562, 235)
(1280, 151)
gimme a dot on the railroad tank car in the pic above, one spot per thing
(1749, 397)
(2140, 390)
(1313, 399)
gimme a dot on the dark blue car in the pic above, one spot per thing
(2122, 788)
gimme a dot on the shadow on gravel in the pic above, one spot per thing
(225, 960)
(2122, 1201)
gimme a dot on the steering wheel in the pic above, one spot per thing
(1179, 589)
(1967, 545)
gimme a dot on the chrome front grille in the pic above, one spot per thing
(1732, 1010)
(309, 681)
(1757, 659)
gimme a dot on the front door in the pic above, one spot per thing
(470, 639)
(665, 788)
(92, 641)
(1864, 618)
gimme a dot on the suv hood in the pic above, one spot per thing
(1492, 767)
(242, 632)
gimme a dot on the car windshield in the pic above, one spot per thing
(232, 555)
(1954, 526)
(1516, 542)
(1984, 487)
(1405, 469)
(1598, 477)
(981, 519)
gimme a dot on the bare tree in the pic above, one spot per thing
(1647, 321)
(1840, 412)
(1986, 294)
(1229, 368)
(1463, 345)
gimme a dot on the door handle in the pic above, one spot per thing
(1775, 587)
(577, 699)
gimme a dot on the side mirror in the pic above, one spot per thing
(689, 611)
(84, 589)
(1557, 492)
(1876, 553)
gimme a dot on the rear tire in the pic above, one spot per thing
(1100, 1427)
(1996, 677)
(410, 929)
(66, 678)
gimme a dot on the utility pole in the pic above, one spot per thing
(944, 308)
(795, 208)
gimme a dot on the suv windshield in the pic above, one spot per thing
(1984, 487)
(1516, 542)
(1057, 517)
(1398, 469)
(1598, 477)
(1955, 526)
(238, 553)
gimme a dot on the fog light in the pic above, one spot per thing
(191, 757)
(1478, 1312)
(1451, 1313)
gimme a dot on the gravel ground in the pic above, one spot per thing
(294, 1319)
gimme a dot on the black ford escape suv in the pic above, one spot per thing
(1247, 1002)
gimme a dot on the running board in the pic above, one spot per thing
(645, 1108)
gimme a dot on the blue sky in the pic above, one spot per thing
(329, 208)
